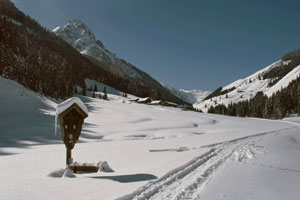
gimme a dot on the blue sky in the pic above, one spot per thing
(192, 44)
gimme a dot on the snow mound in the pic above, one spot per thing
(102, 165)
(57, 173)
(68, 174)
(60, 173)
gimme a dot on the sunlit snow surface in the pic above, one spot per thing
(155, 152)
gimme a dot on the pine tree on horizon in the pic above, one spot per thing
(83, 92)
(95, 88)
(105, 94)
(91, 88)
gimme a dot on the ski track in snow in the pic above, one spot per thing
(187, 181)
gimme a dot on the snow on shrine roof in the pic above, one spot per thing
(60, 108)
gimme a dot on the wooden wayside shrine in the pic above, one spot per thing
(71, 115)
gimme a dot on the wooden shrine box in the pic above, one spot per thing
(71, 121)
(71, 114)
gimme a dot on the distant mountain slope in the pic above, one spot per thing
(81, 37)
(44, 63)
(197, 95)
(273, 92)
(189, 96)
(247, 88)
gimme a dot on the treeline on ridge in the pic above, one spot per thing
(218, 92)
(277, 73)
(284, 102)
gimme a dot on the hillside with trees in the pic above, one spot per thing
(219, 91)
(44, 63)
(277, 73)
(284, 102)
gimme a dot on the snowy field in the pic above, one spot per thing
(155, 152)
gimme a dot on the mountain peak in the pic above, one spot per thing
(76, 21)
(76, 33)
(78, 24)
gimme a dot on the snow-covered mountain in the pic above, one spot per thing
(81, 37)
(189, 96)
(193, 96)
(244, 89)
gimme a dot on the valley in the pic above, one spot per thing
(154, 152)
(143, 138)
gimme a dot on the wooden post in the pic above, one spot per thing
(69, 155)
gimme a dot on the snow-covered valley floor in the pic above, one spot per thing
(156, 152)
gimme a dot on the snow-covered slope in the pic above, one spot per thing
(248, 87)
(110, 90)
(25, 117)
(155, 152)
(189, 96)
(284, 82)
(198, 95)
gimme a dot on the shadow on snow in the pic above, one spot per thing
(128, 178)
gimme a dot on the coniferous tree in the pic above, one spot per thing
(298, 108)
(93, 95)
(83, 92)
(105, 94)
(91, 88)
(95, 88)
(75, 90)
